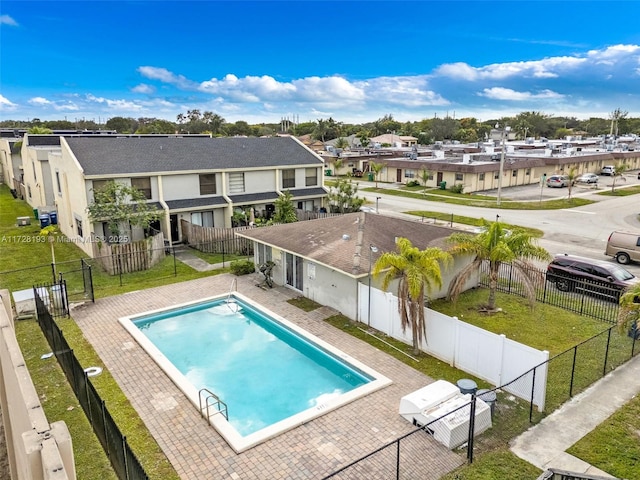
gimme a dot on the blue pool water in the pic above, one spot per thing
(264, 371)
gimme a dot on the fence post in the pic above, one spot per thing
(606, 353)
(573, 369)
(53, 271)
(533, 389)
(472, 427)
(398, 460)
(175, 268)
(124, 456)
(451, 222)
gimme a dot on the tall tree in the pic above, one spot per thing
(572, 174)
(618, 172)
(629, 313)
(416, 271)
(285, 211)
(376, 168)
(121, 206)
(343, 196)
(496, 245)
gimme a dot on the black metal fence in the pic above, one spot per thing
(593, 299)
(122, 458)
(565, 375)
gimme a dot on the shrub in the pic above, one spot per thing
(457, 188)
(413, 183)
(242, 267)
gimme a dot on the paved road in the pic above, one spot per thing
(581, 230)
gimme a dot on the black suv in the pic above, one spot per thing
(570, 272)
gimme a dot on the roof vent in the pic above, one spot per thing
(346, 237)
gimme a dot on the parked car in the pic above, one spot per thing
(624, 246)
(608, 170)
(558, 181)
(587, 178)
(573, 273)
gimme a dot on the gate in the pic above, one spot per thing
(79, 282)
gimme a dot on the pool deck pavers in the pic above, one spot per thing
(312, 450)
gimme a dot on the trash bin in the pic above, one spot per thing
(370, 176)
(488, 397)
(443, 185)
(58, 296)
(53, 217)
(35, 213)
(327, 172)
(44, 220)
(466, 385)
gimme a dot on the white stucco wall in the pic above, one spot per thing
(331, 288)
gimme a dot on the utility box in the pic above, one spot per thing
(23, 221)
(25, 302)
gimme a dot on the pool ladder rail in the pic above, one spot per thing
(210, 399)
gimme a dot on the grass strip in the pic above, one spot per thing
(478, 222)
(483, 201)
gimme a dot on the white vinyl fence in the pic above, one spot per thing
(486, 355)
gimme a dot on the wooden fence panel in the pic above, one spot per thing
(216, 239)
(130, 257)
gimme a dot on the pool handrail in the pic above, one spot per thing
(212, 400)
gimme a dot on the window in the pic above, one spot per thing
(236, 183)
(144, 185)
(527, 171)
(58, 183)
(496, 175)
(514, 173)
(99, 184)
(481, 177)
(79, 227)
(409, 173)
(288, 178)
(29, 190)
(208, 184)
(459, 177)
(311, 177)
(204, 219)
(33, 166)
(264, 253)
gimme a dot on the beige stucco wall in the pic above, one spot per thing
(73, 201)
(36, 449)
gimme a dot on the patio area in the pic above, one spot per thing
(312, 450)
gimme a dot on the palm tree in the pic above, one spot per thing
(572, 174)
(416, 270)
(376, 168)
(338, 163)
(51, 231)
(629, 313)
(618, 170)
(496, 245)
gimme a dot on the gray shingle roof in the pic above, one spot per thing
(195, 202)
(342, 242)
(306, 192)
(106, 155)
(254, 197)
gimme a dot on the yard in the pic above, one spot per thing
(545, 327)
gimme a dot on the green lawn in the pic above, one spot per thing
(478, 222)
(621, 192)
(474, 200)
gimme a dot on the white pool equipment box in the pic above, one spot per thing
(25, 302)
(425, 406)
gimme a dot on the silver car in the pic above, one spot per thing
(558, 181)
(587, 178)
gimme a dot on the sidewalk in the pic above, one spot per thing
(185, 256)
(544, 444)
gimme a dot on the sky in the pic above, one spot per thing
(354, 61)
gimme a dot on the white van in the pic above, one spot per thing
(624, 246)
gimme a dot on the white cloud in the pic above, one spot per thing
(7, 20)
(546, 68)
(411, 91)
(6, 105)
(39, 101)
(499, 93)
(143, 88)
(164, 75)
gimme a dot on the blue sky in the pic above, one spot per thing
(352, 60)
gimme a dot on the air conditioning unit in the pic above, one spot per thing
(23, 221)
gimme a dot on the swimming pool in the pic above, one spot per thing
(272, 375)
